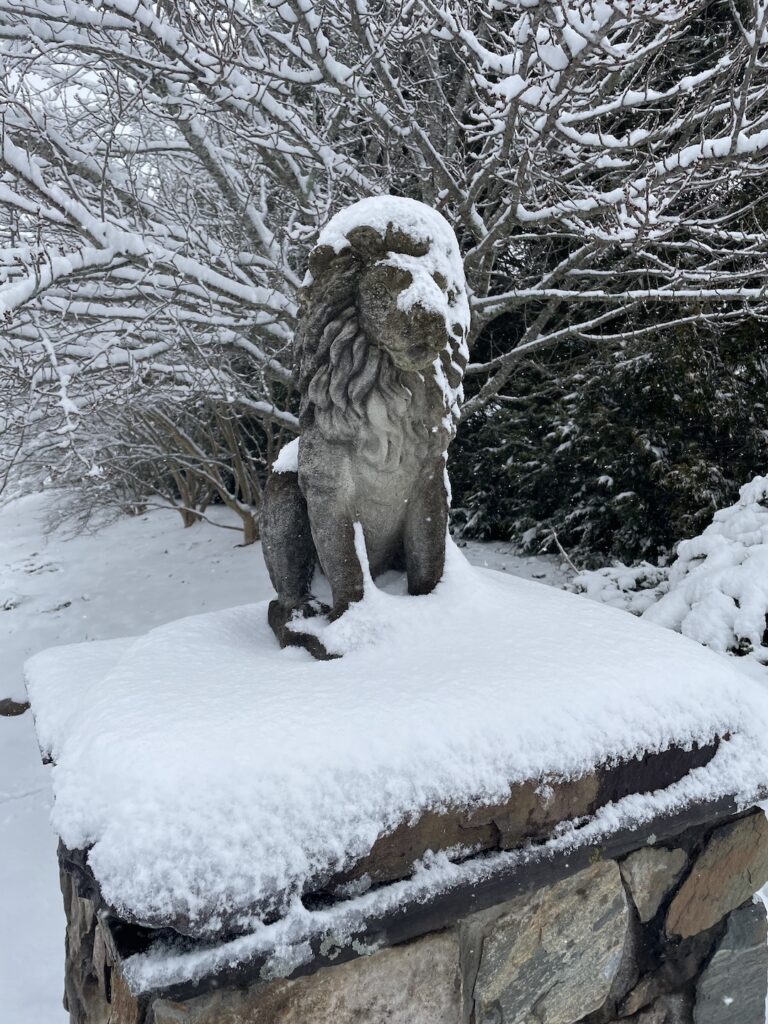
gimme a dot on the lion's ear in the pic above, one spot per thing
(320, 259)
(397, 240)
(367, 242)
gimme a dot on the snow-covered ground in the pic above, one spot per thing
(132, 575)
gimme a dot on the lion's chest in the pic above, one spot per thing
(387, 480)
(370, 482)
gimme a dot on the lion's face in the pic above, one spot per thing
(381, 339)
(413, 337)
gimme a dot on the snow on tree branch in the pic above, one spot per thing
(166, 167)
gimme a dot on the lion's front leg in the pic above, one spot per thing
(287, 542)
(334, 536)
(326, 481)
(425, 529)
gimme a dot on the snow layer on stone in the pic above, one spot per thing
(285, 944)
(61, 589)
(718, 585)
(423, 224)
(209, 770)
(287, 460)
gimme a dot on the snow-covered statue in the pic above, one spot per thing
(381, 351)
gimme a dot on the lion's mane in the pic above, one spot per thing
(351, 388)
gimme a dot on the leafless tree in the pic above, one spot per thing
(167, 164)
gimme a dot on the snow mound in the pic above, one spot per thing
(718, 585)
(716, 591)
(632, 588)
(287, 460)
(210, 772)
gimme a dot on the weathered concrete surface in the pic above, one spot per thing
(372, 443)
(650, 874)
(418, 982)
(734, 985)
(732, 866)
(555, 956)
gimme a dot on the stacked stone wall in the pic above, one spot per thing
(669, 934)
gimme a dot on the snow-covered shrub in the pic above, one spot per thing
(715, 592)
(185, 456)
(633, 588)
(718, 586)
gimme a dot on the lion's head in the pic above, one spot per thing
(382, 346)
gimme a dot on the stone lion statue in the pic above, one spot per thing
(381, 351)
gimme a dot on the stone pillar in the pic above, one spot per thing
(669, 934)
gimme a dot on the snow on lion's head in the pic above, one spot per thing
(384, 321)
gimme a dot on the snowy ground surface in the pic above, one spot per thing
(135, 574)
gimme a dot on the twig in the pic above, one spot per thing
(564, 553)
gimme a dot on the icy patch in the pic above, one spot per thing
(212, 773)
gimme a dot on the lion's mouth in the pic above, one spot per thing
(414, 357)
(420, 353)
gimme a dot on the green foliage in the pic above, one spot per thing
(622, 455)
